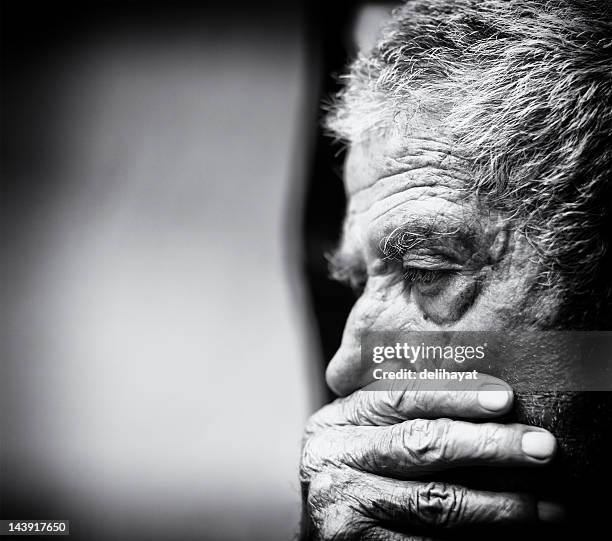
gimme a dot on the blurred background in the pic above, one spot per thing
(167, 200)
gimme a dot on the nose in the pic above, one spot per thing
(344, 374)
(385, 308)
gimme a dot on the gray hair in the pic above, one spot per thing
(527, 88)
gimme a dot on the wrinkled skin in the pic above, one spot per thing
(416, 177)
(406, 464)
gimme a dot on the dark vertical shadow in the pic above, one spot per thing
(325, 199)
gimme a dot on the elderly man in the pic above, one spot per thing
(478, 183)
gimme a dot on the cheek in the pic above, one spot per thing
(448, 302)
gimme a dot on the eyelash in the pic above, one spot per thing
(425, 276)
(412, 275)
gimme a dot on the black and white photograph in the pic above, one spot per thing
(306, 271)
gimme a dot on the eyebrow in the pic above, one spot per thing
(347, 264)
(417, 233)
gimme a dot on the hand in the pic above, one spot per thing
(363, 455)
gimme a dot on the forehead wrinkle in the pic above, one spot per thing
(425, 195)
(385, 156)
(388, 173)
(363, 176)
(436, 180)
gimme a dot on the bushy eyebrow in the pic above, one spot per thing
(347, 263)
(414, 234)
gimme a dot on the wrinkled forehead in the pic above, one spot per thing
(421, 153)
(404, 178)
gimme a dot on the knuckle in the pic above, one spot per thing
(489, 441)
(426, 440)
(322, 450)
(427, 401)
(319, 420)
(312, 457)
(330, 513)
(307, 462)
(423, 400)
(323, 489)
(350, 410)
(310, 428)
(439, 504)
(394, 399)
(370, 408)
(400, 399)
(355, 407)
(383, 407)
(338, 522)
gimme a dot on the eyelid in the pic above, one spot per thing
(428, 262)
(427, 256)
(452, 242)
(426, 276)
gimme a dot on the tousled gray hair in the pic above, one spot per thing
(527, 88)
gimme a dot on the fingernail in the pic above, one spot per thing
(493, 397)
(550, 512)
(539, 444)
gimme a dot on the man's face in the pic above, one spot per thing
(428, 255)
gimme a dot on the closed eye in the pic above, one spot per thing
(415, 275)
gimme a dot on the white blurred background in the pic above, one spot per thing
(156, 354)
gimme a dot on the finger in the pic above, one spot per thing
(421, 446)
(410, 400)
(332, 515)
(433, 505)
